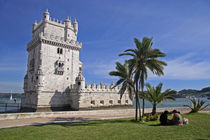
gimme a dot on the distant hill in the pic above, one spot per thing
(7, 95)
(207, 89)
(204, 92)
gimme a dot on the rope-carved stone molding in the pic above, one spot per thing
(54, 40)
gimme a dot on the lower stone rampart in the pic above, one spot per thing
(112, 112)
(98, 96)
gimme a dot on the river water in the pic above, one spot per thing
(179, 102)
(11, 107)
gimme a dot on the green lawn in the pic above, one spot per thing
(198, 128)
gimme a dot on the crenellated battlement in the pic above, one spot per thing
(101, 87)
(97, 87)
(54, 22)
(66, 29)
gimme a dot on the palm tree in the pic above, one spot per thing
(125, 78)
(144, 58)
(155, 96)
(197, 105)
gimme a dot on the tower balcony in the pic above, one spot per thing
(59, 70)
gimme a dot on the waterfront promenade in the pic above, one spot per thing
(40, 118)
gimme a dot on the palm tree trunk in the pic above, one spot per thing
(140, 117)
(139, 107)
(154, 109)
(136, 115)
(138, 101)
(143, 108)
(142, 90)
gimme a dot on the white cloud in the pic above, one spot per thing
(184, 68)
(181, 68)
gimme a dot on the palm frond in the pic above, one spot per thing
(197, 105)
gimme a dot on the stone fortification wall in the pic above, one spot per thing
(96, 96)
(54, 65)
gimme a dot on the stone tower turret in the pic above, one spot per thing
(53, 65)
(80, 81)
(67, 23)
(46, 15)
(75, 25)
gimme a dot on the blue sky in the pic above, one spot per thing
(181, 29)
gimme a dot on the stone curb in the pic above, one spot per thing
(118, 112)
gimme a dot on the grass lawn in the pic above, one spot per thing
(198, 128)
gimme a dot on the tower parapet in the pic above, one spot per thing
(57, 27)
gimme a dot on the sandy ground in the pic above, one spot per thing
(50, 120)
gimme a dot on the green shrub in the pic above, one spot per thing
(197, 105)
(151, 117)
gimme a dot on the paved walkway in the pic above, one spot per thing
(39, 121)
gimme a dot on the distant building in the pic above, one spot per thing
(54, 79)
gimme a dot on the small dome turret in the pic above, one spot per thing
(67, 22)
(75, 25)
(46, 15)
(80, 81)
(34, 25)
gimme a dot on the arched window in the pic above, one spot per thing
(58, 50)
(59, 65)
(61, 51)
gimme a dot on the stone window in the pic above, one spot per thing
(37, 78)
(102, 102)
(59, 50)
(67, 68)
(126, 101)
(111, 101)
(79, 83)
(93, 102)
(67, 59)
(119, 101)
(67, 78)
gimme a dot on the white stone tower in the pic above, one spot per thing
(53, 65)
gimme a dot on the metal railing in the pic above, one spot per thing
(9, 107)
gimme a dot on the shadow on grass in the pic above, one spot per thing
(156, 125)
(79, 121)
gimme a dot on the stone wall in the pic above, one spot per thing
(98, 96)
